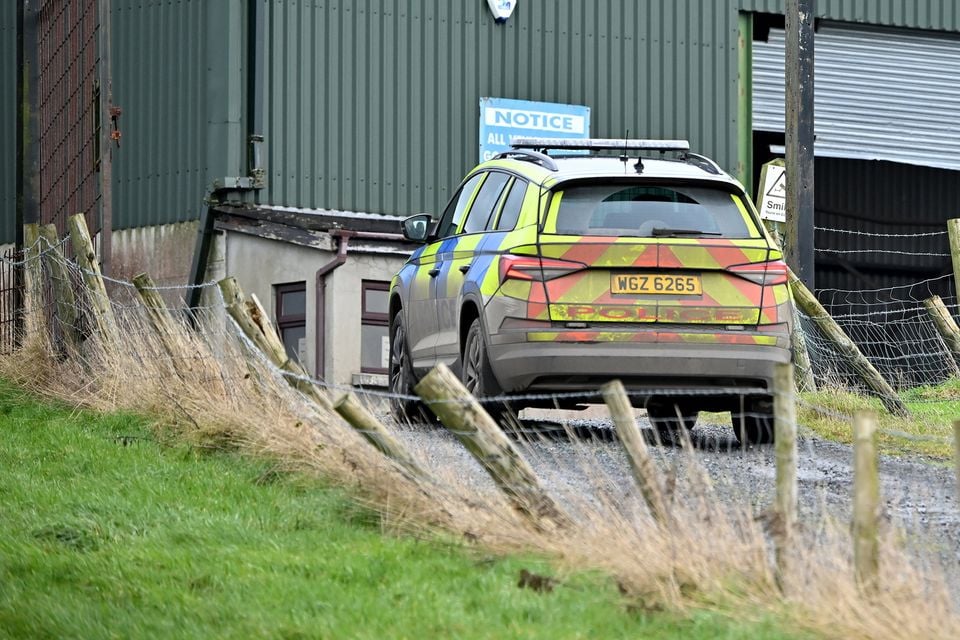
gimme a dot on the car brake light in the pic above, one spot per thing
(514, 267)
(763, 273)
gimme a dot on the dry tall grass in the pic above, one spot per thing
(208, 388)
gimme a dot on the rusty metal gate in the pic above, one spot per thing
(11, 296)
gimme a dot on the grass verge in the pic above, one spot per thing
(107, 532)
(927, 432)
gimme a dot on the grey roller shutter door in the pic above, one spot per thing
(879, 95)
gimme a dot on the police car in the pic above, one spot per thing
(563, 264)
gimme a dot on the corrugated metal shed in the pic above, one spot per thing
(373, 106)
(881, 94)
(176, 69)
(8, 123)
(936, 15)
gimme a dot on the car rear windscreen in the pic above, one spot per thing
(651, 211)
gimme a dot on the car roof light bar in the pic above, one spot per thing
(599, 144)
(529, 155)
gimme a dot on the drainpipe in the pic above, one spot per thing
(321, 284)
(320, 305)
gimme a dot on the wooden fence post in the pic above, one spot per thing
(953, 232)
(801, 357)
(34, 321)
(866, 501)
(642, 465)
(62, 286)
(956, 454)
(946, 327)
(785, 436)
(868, 373)
(86, 258)
(253, 320)
(357, 415)
(481, 435)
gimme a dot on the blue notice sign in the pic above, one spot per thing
(502, 119)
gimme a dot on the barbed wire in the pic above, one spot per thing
(884, 251)
(896, 336)
(882, 235)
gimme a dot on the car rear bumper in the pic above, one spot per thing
(556, 366)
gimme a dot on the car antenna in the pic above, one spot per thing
(623, 158)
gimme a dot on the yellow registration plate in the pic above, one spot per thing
(656, 284)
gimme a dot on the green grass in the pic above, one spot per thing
(105, 532)
(927, 432)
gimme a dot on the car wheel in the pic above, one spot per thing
(663, 416)
(755, 424)
(477, 376)
(401, 375)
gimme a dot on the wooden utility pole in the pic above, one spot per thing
(798, 73)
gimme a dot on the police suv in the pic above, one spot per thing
(563, 264)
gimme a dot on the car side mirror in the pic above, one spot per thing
(418, 228)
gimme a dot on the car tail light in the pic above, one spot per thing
(763, 273)
(514, 267)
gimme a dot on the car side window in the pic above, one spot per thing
(511, 208)
(453, 214)
(485, 202)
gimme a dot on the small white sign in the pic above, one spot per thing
(302, 350)
(501, 9)
(385, 352)
(773, 195)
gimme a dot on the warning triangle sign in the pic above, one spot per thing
(779, 188)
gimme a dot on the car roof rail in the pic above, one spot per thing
(599, 144)
(702, 162)
(528, 155)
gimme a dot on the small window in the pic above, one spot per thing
(511, 208)
(454, 212)
(374, 321)
(292, 316)
(485, 202)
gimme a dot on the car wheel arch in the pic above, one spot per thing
(469, 311)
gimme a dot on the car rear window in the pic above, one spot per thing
(650, 211)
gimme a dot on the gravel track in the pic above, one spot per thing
(918, 496)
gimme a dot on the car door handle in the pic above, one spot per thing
(434, 272)
(465, 267)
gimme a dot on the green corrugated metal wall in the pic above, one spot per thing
(8, 123)
(373, 106)
(176, 75)
(937, 15)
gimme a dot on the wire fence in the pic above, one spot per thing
(893, 330)
(890, 324)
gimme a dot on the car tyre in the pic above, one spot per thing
(755, 424)
(477, 376)
(401, 378)
(663, 416)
